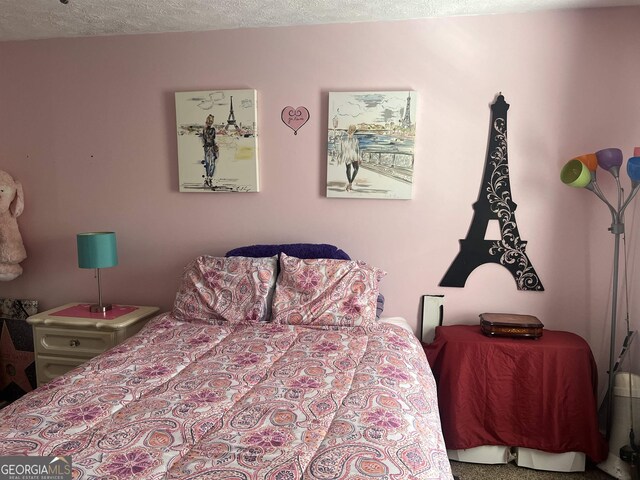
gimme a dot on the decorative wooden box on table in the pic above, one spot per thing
(510, 325)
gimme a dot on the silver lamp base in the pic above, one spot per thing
(100, 308)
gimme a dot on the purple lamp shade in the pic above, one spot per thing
(609, 158)
(633, 168)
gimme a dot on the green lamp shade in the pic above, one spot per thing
(575, 174)
(97, 250)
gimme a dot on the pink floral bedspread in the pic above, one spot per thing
(196, 400)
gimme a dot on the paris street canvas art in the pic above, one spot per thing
(370, 144)
(217, 141)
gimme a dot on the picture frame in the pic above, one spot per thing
(370, 144)
(432, 316)
(217, 141)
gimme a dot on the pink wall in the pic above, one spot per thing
(88, 126)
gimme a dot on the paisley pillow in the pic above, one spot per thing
(325, 291)
(233, 289)
(300, 250)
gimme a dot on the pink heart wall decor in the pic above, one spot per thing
(295, 118)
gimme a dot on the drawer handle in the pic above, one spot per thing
(74, 343)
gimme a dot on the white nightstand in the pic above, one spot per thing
(66, 336)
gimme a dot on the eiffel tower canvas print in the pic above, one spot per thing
(370, 144)
(217, 141)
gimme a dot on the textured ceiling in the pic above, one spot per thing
(34, 19)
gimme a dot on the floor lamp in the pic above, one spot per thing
(581, 173)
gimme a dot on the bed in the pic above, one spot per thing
(271, 367)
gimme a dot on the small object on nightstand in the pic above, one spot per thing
(69, 335)
(510, 325)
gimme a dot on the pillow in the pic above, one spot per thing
(325, 292)
(299, 250)
(234, 289)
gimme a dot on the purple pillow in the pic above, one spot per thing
(379, 306)
(298, 250)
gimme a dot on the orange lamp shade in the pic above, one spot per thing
(590, 160)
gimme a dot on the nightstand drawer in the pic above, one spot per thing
(48, 368)
(76, 343)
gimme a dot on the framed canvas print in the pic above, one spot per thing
(370, 144)
(217, 141)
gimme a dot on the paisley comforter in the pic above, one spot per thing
(245, 401)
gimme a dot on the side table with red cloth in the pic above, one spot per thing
(516, 392)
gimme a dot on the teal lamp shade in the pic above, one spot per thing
(575, 174)
(97, 250)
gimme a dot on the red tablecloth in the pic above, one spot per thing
(516, 392)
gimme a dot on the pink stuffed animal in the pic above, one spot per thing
(12, 250)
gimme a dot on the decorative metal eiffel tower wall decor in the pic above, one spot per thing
(494, 203)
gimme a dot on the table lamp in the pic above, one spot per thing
(97, 250)
(581, 173)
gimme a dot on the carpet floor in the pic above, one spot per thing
(475, 471)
